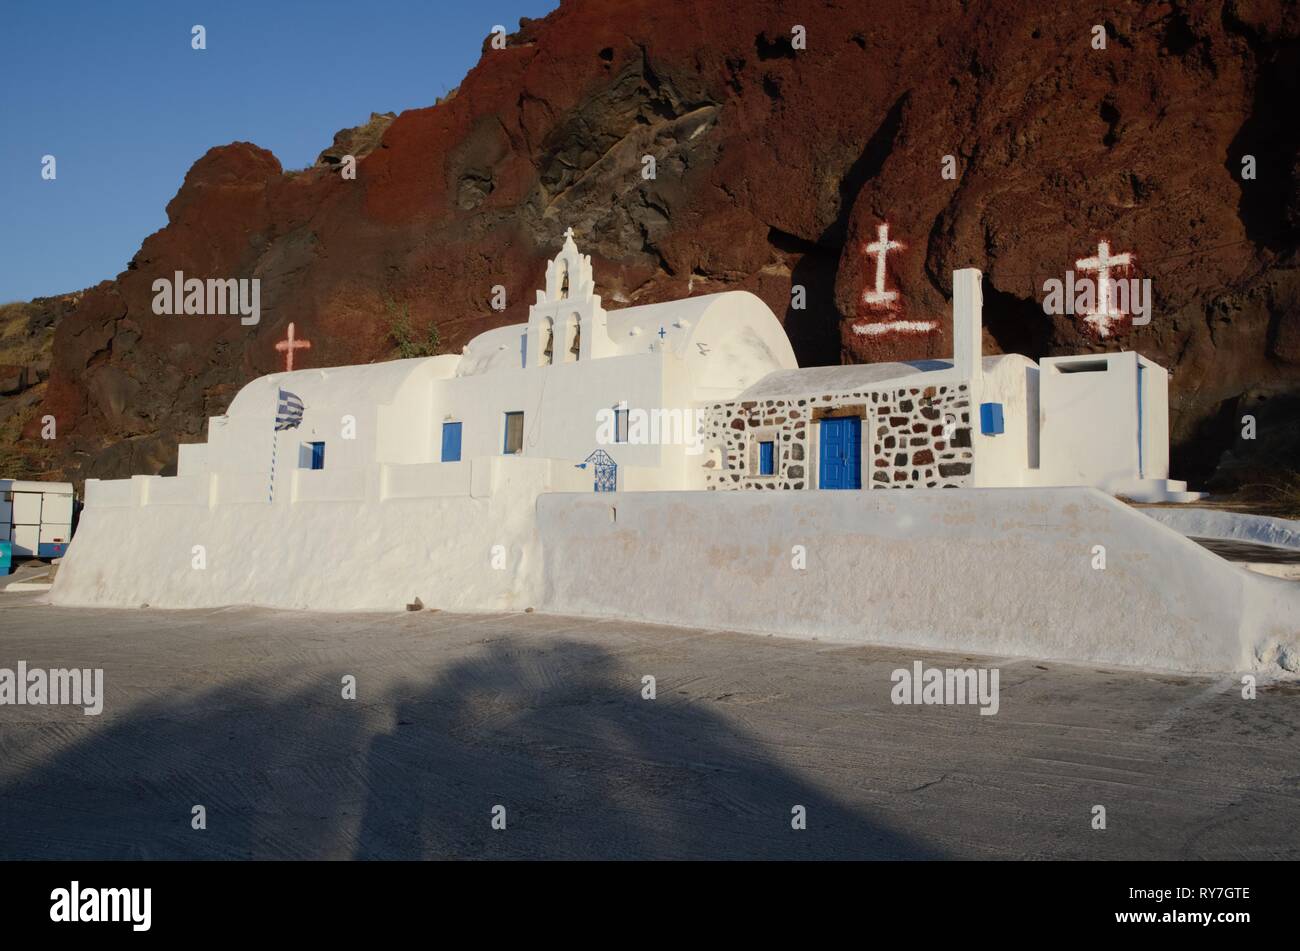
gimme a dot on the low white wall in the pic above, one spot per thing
(996, 571)
(993, 571)
(240, 487)
(1236, 526)
(320, 555)
(102, 493)
(327, 485)
(177, 490)
(192, 459)
(431, 478)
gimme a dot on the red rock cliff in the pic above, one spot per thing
(774, 166)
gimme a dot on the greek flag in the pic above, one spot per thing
(288, 415)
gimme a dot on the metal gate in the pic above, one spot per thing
(605, 471)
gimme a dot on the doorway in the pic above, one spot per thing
(839, 455)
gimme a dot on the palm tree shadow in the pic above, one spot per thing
(271, 771)
(585, 768)
(556, 733)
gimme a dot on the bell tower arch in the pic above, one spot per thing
(567, 313)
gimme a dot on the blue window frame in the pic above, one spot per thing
(767, 458)
(991, 419)
(312, 456)
(620, 424)
(451, 442)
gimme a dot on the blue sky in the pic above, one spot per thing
(112, 89)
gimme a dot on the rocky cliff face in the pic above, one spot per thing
(775, 162)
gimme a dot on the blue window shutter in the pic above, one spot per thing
(991, 419)
(318, 455)
(451, 442)
(766, 464)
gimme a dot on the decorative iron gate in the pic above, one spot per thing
(606, 471)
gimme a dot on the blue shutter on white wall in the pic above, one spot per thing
(991, 419)
(451, 442)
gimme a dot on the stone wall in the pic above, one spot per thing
(913, 437)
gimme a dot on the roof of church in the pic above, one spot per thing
(632, 330)
(361, 384)
(631, 327)
(807, 381)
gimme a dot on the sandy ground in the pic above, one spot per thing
(240, 710)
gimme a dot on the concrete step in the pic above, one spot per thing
(1158, 490)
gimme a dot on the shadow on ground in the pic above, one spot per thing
(557, 734)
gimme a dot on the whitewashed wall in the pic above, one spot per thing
(1089, 421)
(994, 571)
(326, 551)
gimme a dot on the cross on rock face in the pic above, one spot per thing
(662, 332)
(288, 345)
(879, 297)
(1102, 316)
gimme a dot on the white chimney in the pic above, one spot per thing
(967, 323)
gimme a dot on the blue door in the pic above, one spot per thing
(451, 442)
(840, 454)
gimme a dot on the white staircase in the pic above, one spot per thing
(1156, 490)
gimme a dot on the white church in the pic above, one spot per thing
(701, 393)
(582, 464)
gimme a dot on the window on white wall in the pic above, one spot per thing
(311, 455)
(451, 442)
(620, 423)
(514, 442)
(763, 455)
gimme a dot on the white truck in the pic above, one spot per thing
(36, 517)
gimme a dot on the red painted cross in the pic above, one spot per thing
(878, 296)
(1103, 263)
(288, 345)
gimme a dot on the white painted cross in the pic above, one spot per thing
(288, 345)
(1102, 315)
(881, 247)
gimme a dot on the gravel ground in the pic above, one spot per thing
(240, 710)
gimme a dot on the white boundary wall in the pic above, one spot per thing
(331, 541)
(1233, 526)
(332, 556)
(993, 571)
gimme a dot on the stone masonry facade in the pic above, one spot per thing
(914, 437)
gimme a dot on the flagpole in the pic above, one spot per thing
(275, 441)
(288, 415)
